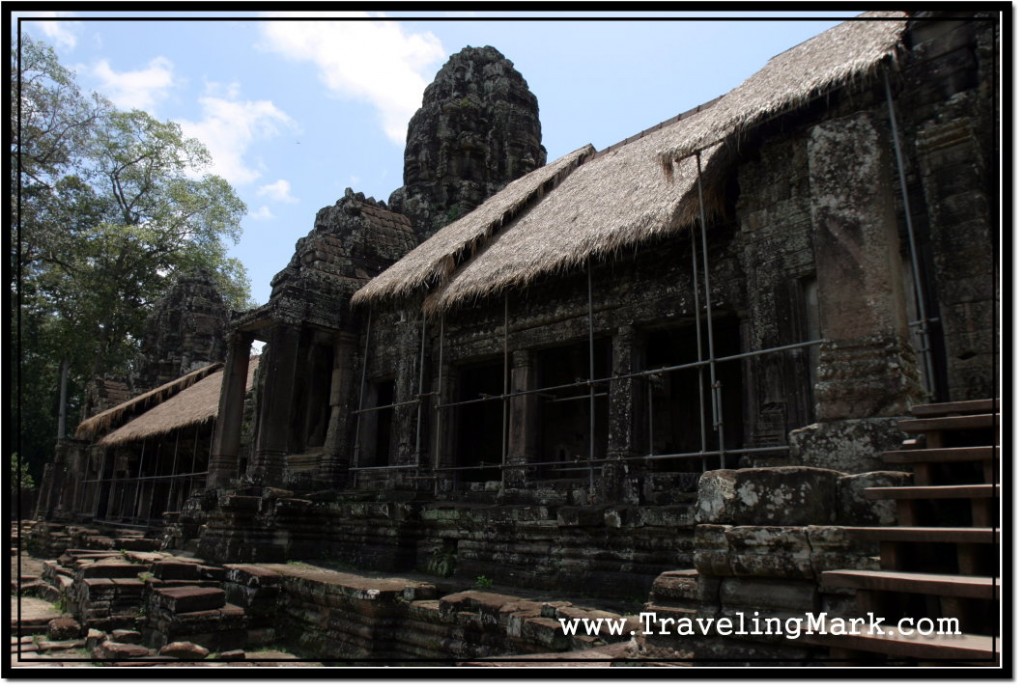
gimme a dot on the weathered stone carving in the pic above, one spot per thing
(478, 129)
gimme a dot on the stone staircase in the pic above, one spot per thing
(942, 560)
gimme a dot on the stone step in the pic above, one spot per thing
(189, 599)
(963, 648)
(934, 492)
(982, 405)
(948, 424)
(918, 534)
(941, 585)
(964, 454)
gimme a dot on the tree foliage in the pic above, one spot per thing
(112, 207)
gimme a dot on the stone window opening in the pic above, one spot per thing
(376, 424)
(679, 401)
(565, 414)
(479, 421)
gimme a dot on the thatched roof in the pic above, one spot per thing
(619, 199)
(194, 405)
(433, 261)
(850, 51)
(112, 418)
(648, 187)
(639, 190)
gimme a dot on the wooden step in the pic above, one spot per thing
(917, 534)
(933, 492)
(963, 454)
(942, 585)
(949, 424)
(982, 405)
(965, 647)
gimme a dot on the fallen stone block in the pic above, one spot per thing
(184, 650)
(112, 568)
(63, 629)
(110, 650)
(126, 636)
(172, 569)
(94, 638)
(189, 599)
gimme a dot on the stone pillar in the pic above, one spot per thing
(523, 419)
(276, 406)
(227, 432)
(337, 445)
(407, 372)
(866, 369)
(625, 403)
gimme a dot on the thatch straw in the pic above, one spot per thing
(195, 405)
(112, 418)
(847, 52)
(619, 199)
(647, 187)
(433, 261)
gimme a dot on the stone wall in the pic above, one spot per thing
(763, 538)
(605, 550)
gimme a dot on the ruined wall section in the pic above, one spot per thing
(477, 130)
(773, 212)
(351, 241)
(185, 331)
(945, 102)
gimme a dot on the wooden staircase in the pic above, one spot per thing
(942, 560)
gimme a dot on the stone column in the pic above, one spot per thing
(866, 370)
(337, 445)
(523, 419)
(228, 429)
(625, 402)
(407, 371)
(276, 406)
(866, 367)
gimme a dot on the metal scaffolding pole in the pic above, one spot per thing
(174, 469)
(362, 386)
(138, 479)
(921, 325)
(700, 343)
(716, 392)
(590, 380)
(504, 392)
(440, 396)
(419, 399)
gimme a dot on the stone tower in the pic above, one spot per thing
(477, 130)
(185, 331)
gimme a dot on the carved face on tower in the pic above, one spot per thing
(478, 129)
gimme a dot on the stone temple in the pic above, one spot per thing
(743, 361)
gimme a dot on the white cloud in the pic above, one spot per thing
(230, 126)
(141, 89)
(59, 33)
(372, 61)
(262, 214)
(280, 191)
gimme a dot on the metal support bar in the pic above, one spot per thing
(593, 402)
(419, 399)
(700, 344)
(504, 392)
(716, 397)
(438, 408)
(174, 469)
(922, 331)
(362, 386)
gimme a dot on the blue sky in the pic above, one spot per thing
(294, 111)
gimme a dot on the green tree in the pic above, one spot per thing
(112, 207)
